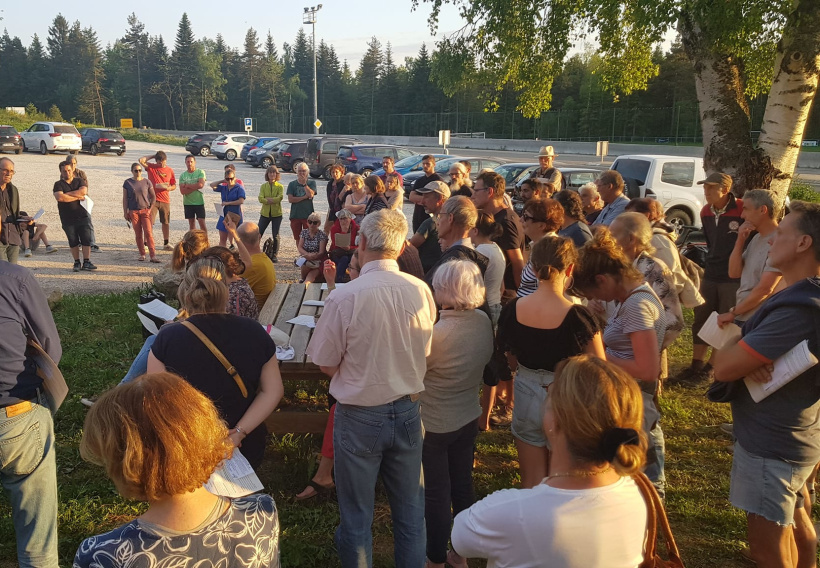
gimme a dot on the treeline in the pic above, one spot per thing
(204, 84)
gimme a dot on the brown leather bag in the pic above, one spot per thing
(655, 514)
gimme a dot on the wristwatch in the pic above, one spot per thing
(732, 310)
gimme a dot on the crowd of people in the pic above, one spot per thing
(555, 322)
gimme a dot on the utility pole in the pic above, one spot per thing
(309, 17)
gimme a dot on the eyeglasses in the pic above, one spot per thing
(5, 171)
(313, 222)
(528, 217)
(136, 170)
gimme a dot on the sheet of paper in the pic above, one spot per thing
(718, 338)
(39, 214)
(160, 309)
(338, 285)
(234, 478)
(307, 321)
(315, 303)
(147, 323)
(794, 363)
(88, 204)
(301, 261)
(218, 209)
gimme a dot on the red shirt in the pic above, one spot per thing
(337, 228)
(160, 174)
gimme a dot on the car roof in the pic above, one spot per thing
(54, 123)
(371, 146)
(655, 156)
(522, 164)
(580, 170)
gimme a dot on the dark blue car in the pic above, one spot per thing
(365, 158)
(410, 164)
(253, 145)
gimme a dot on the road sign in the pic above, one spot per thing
(126, 123)
(444, 139)
(318, 123)
(602, 149)
(248, 124)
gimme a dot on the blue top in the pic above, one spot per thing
(230, 194)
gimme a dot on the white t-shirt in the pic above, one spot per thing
(494, 275)
(557, 528)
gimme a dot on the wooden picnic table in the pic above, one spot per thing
(284, 303)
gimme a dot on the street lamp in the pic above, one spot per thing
(309, 17)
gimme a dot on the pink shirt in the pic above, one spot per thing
(378, 329)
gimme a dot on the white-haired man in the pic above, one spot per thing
(373, 339)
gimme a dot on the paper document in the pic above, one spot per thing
(338, 285)
(718, 338)
(39, 214)
(159, 309)
(234, 478)
(147, 323)
(786, 368)
(218, 209)
(301, 261)
(87, 204)
(307, 321)
(315, 303)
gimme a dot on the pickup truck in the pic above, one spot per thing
(672, 180)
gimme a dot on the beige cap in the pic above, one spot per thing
(547, 151)
(436, 187)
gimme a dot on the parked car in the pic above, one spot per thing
(10, 140)
(264, 156)
(515, 173)
(200, 144)
(321, 152)
(365, 158)
(52, 137)
(258, 143)
(290, 154)
(410, 164)
(96, 140)
(228, 146)
(670, 179)
(443, 166)
(574, 178)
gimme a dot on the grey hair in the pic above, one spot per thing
(385, 231)
(303, 166)
(460, 167)
(458, 284)
(590, 185)
(314, 216)
(638, 226)
(761, 197)
(462, 209)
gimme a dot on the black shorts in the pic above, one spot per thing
(194, 211)
(78, 234)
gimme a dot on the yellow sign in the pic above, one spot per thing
(126, 123)
(318, 123)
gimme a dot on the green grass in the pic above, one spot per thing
(142, 136)
(101, 336)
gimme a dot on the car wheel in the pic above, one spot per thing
(678, 218)
(326, 174)
(121, 152)
(43, 149)
(24, 145)
(93, 150)
(17, 151)
(366, 172)
(295, 164)
(73, 152)
(231, 155)
(205, 151)
(266, 163)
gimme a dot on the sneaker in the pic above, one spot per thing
(28, 253)
(167, 247)
(502, 418)
(95, 248)
(89, 402)
(88, 266)
(50, 249)
(727, 428)
(77, 266)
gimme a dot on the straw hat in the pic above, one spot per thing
(547, 151)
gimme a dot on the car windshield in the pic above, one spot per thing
(7, 131)
(444, 165)
(220, 138)
(509, 172)
(271, 145)
(65, 129)
(408, 162)
(111, 134)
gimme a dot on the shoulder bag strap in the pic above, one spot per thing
(657, 513)
(218, 354)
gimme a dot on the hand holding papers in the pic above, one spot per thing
(716, 336)
(786, 368)
(234, 478)
(87, 204)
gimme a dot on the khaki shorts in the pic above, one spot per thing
(164, 210)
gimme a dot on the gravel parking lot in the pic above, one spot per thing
(119, 268)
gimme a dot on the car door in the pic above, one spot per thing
(402, 153)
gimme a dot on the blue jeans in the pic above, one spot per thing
(384, 440)
(140, 364)
(654, 470)
(28, 472)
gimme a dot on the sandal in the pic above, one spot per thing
(141, 258)
(154, 259)
(317, 490)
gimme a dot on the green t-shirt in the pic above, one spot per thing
(193, 198)
(304, 208)
(430, 250)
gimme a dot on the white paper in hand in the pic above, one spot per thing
(716, 336)
(786, 368)
(301, 261)
(218, 209)
(160, 309)
(39, 214)
(234, 478)
(147, 323)
(87, 204)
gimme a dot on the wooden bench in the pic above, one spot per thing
(284, 303)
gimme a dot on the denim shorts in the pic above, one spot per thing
(78, 234)
(528, 412)
(766, 487)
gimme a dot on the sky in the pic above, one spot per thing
(348, 25)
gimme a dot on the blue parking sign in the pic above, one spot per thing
(249, 122)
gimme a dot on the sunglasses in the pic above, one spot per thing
(313, 222)
(137, 170)
(528, 217)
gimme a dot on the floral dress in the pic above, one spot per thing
(241, 300)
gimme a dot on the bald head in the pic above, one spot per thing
(249, 235)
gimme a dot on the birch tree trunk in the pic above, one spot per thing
(794, 87)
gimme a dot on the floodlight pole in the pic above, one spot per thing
(309, 17)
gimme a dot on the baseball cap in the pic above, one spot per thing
(436, 187)
(717, 178)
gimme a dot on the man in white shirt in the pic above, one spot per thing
(373, 339)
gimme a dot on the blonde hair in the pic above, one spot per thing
(188, 249)
(589, 398)
(552, 255)
(204, 287)
(156, 436)
(602, 256)
(636, 226)
(314, 216)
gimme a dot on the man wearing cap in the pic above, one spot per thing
(547, 173)
(433, 196)
(721, 219)
(428, 166)
(610, 186)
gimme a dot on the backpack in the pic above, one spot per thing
(268, 248)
